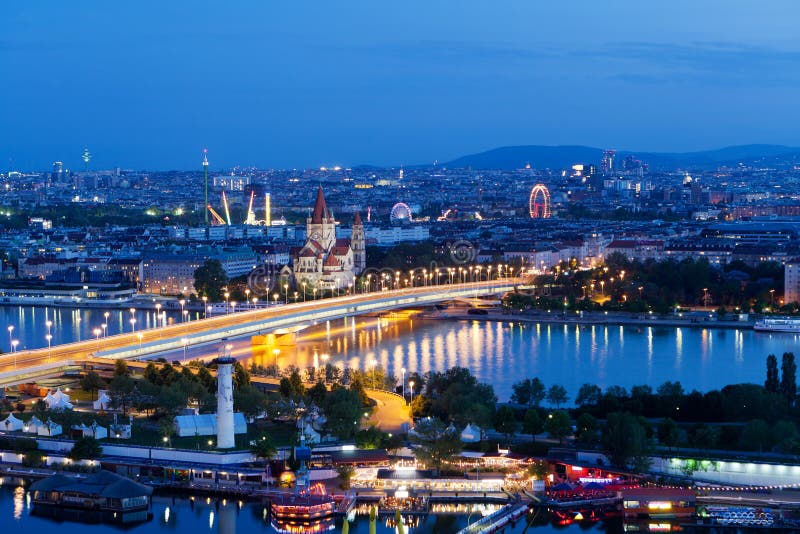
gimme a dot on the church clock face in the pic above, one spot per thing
(316, 236)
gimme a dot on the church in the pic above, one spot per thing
(325, 261)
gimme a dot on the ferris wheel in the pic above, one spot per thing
(539, 202)
(400, 212)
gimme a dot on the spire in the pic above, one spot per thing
(320, 209)
(357, 220)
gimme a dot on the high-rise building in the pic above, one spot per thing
(607, 163)
(791, 281)
(205, 181)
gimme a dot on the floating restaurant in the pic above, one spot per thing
(112, 496)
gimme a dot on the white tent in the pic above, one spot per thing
(96, 431)
(471, 434)
(49, 429)
(11, 423)
(32, 426)
(312, 436)
(58, 401)
(206, 424)
(103, 401)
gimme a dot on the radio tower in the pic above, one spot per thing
(86, 158)
(205, 180)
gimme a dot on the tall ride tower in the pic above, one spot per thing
(225, 428)
(205, 180)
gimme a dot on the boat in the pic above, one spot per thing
(778, 324)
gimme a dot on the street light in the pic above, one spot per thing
(97, 333)
(182, 302)
(104, 326)
(411, 390)
(10, 337)
(185, 342)
(14, 343)
(205, 300)
(133, 324)
(49, 338)
(227, 296)
(286, 292)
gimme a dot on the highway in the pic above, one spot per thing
(15, 367)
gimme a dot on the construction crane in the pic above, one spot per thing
(225, 205)
(251, 216)
(216, 217)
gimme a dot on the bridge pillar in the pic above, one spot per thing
(278, 340)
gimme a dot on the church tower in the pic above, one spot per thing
(358, 244)
(321, 227)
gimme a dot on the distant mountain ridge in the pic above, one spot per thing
(563, 156)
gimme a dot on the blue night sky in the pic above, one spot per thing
(147, 84)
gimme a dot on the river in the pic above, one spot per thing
(497, 352)
(180, 515)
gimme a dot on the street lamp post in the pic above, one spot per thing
(97, 333)
(14, 343)
(133, 324)
(185, 342)
(411, 391)
(403, 374)
(49, 339)
(104, 326)
(205, 310)
(11, 337)
(227, 296)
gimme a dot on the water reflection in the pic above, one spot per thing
(501, 353)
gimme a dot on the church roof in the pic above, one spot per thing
(342, 242)
(331, 261)
(320, 208)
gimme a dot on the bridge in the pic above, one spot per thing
(25, 366)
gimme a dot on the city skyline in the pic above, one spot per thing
(284, 87)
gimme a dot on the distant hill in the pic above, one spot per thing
(559, 157)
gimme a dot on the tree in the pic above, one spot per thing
(151, 374)
(772, 384)
(371, 438)
(121, 390)
(121, 368)
(557, 395)
(624, 439)
(505, 421)
(86, 448)
(263, 448)
(668, 433)
(588, 395)
(92, 382)
(250, 401)
(532, 423)
(756, 435)
(788, 378)
(558, 425)
(705, 437)
(241, 377)
(209, 279)
(587, 428)
(436, 442)
(529, 392)
(345, 472)
(343, 409)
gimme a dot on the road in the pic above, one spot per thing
(148, 342)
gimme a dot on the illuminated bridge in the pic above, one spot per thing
(24, 366)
